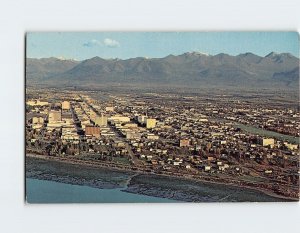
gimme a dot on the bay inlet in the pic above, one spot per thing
(55, 182)
(45, 191)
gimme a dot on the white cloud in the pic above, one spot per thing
(92, 43)
(106, 42)
(111, 43)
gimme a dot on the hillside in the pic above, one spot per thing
(189, 69)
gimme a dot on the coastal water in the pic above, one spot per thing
(44, 191)
(56, 182)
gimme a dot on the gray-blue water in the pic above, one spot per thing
(43, 191)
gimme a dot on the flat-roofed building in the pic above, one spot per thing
(93, 115)
(141, 119)
(130, 125)
(69, 133)
(119, 118)
(132, 135)
(65, 105)
(37, 120)
(54, 116)
(37, 103)
(54, 125)
(92, 131)
(150, 123)
(152, 136)
(109, 109)
(37, 126)
(266, 141)
(101, 121)
(291, 146)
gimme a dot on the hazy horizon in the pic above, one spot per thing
(124, 45)
(112, 58)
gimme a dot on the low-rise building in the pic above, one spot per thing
(92, 131)
(266, 141)
(150, 123)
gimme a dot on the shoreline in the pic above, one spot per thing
(136, 171)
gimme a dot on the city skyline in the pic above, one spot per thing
(124, 45)
(143, 130)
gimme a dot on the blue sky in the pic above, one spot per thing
(123, 45)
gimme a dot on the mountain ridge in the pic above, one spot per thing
(190, 67)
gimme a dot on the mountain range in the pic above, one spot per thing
(189, 69)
